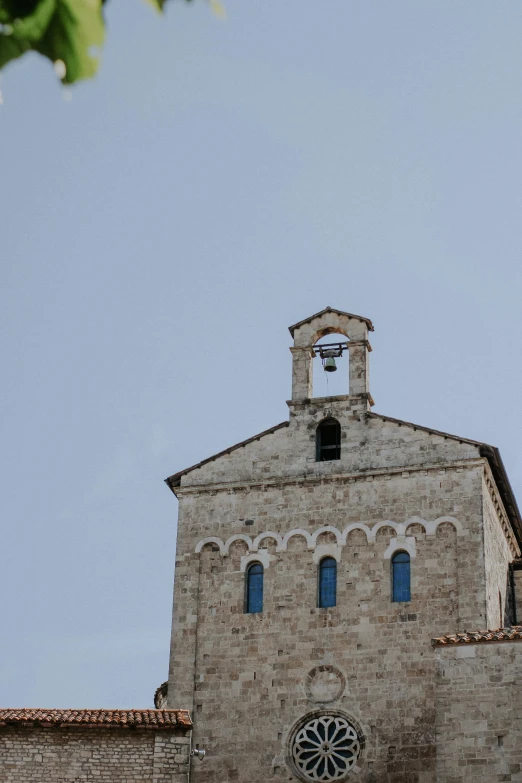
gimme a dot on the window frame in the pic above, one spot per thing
(248, 587)
(320, 568)
(394, 586)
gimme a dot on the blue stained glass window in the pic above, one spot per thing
(327, 582)
(254, 588)
(401, 577)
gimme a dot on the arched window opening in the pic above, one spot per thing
(401, 577)
(331, 366)
(254, 588)
(327, 592)
(328, 440)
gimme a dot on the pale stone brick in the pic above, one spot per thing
(75, 754)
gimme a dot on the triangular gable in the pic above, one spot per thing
(491, 453)
(291, 329)
(175, 479)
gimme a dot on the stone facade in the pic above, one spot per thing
(367, 660)
(497, 557)
(37, 748)
(517, 589)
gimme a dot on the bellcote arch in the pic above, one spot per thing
(308, 332)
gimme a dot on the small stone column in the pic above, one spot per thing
(302, 373)
(359, 367)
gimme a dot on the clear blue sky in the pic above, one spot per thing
(215, 183)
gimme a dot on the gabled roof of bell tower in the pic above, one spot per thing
(291, 329)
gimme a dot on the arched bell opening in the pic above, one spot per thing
(313, 333)
(331, 366)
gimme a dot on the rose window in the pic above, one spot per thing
(325, 748)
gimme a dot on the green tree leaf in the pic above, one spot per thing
(67, 30)
(20, 34)
(75, 35)
(70, 33)
(157, 4)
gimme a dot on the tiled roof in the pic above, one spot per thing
(147, 719)
(475, 637)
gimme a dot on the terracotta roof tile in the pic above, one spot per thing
(149, 719)
(477, 637)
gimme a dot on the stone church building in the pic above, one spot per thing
(335, 577)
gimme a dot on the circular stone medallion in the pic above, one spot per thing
(324, 684)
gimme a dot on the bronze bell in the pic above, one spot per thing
(329, 365)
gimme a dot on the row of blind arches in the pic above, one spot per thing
(327, 582)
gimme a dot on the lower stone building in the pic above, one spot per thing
(109, 746)
(478, 707)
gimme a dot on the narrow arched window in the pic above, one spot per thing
(328, 440)
(327, 592)
(401, 577)
(254, 588)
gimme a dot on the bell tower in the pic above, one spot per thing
(306, 334)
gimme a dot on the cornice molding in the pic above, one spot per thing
(313, 478)
(500, 509)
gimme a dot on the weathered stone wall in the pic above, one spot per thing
(106, 755)
(251, 671)
(479, 713)
(368, 443)
(517, 578)
(497, 556)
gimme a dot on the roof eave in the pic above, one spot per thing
(492, 454)
(125, 719)
(292, 328)
(174, 481)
